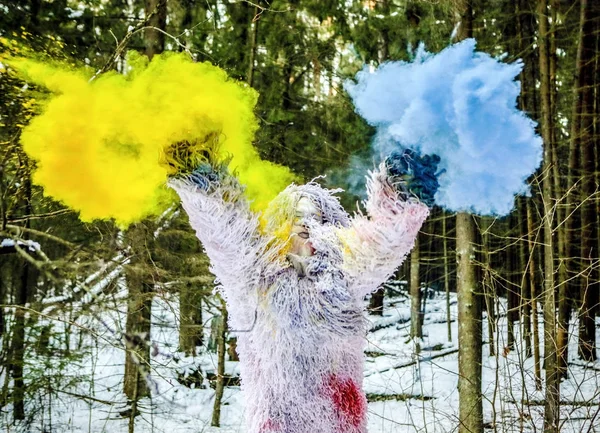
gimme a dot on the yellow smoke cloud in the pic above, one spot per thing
(99, 144)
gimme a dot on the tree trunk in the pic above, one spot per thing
(3, 302)
(512, 313)
(590, 13)
(489, 290)
(596, 120)
(524, 263)
(531, 241)
(469, 329)
(18, 344)
(416, 301)
(465, 19)
(446, 276)
(253, 38)
(137, 336)
(383, 8)
(470, 406)
(529, 104)
(21, 296)
(570, 287)
(190, 327)
(377, 298)
(551, 410)
(376, 302)
(139, 305)
(154, 40)
(140, 236)
(552, 65)
(564, 305)
(221, 349)
(526, 40)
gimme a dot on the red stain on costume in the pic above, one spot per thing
(348, 400)
(270, 426)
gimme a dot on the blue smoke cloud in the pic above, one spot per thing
(461, 105)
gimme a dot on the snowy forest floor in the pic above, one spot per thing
(83, 392)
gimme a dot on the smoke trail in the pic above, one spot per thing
(461, 105)
(100, 145)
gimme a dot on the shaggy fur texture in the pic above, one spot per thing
(301, 348)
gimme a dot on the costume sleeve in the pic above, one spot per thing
(376, 244)
(219, 213)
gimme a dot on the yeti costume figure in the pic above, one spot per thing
(294, 281)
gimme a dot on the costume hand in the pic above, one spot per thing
(413, 174)
(204, 176)
(201, 156)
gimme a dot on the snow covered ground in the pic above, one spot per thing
(406, 392)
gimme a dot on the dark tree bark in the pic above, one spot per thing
(551, 409)
(533, 284)
(140, 236)
(22, 294)
(561, 248)
(528, 100)
(252, 43)
(529, 103)
(446, 274)
(469, 329)
(3, 301)
(221, 349)
(154, 40)
(190, 310)
(465, 19)
(469, 302)
(570, 287)
(524, 263)
(469, 309)
(376, 302)
(489, 291)
(138, 324)
(596, 123)
(18, 344)
(416, 301)
(512, 313)
(589, 286)
(383, 7)
(557, 189)
(194, 26)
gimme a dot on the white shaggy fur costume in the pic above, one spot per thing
(301, 353)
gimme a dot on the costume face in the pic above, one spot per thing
(293, 217)
(306, 214)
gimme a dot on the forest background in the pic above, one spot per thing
(536, 270)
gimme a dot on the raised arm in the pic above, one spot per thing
(227, 228)
(376, 244)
